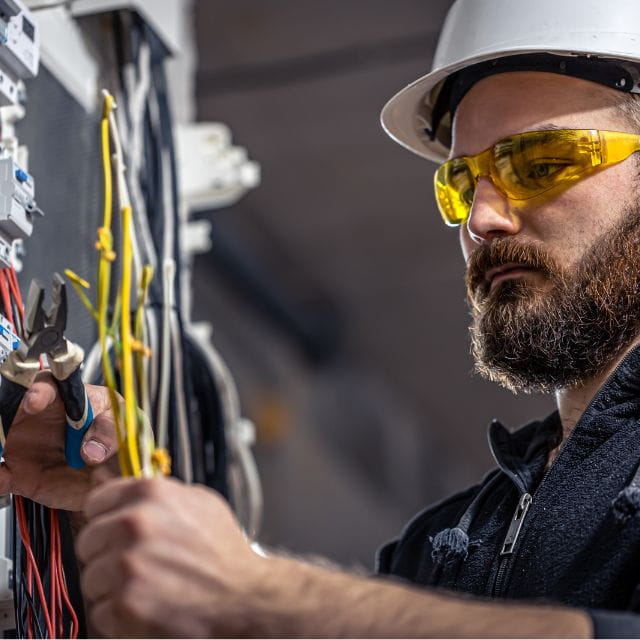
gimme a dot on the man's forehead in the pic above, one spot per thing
(508, 103)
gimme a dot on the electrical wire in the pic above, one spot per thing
(165, 354)
(184, 444)
(187, 396)
(138, 455)
(107, 256)
(32, 567)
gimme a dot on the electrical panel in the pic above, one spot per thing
(9, 341)
(19, 60)
(17, 203)
(19, 49)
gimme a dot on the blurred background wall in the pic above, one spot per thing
(334, 289)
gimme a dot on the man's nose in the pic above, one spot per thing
(492, 214)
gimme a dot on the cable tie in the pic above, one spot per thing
(162, 461)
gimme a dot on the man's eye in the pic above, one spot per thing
(467, 196)
(545, 169)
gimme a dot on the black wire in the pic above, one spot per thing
(43, 537)
(213, 451)
(32, 606)
(16, 585)
(16, 317)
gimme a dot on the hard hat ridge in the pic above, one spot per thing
(616, 74)
(590, 39)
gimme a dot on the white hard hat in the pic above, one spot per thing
(593, 39)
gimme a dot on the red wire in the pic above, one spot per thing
(58, 591)
(53, 570)
(30, 592)
(6, 302)
(31, 562)
(62, 592)
(67, 602)
(14, 289)
(56, 552)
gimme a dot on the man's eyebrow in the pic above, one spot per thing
(548, 126)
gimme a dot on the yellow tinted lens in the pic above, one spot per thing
(528, 164)
(454, 187)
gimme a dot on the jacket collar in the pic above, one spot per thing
(522, 455)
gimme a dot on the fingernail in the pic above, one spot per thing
(29, 398)
(95, 451)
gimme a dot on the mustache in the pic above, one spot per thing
(504, 251)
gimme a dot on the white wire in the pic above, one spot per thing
(242, 438)
(246, 488)
(145, 397)
(92, 361)
(121, 183)
(184, 441)
(168, 278)
(152, 328)
(124, 198)
(167, 197)
(138, 87)
(146, 442)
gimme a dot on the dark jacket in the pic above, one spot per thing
(568, 535)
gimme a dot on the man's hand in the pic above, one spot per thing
(34, 463)
(164, 559)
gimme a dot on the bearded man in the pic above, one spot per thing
(532, 111)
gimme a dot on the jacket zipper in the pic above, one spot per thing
(510, 542)
(515, 527)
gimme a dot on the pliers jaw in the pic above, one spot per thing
(44, 326)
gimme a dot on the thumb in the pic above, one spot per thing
(5, 480)
(100, 442)
(40, 395)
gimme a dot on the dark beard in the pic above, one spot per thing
(534, 340)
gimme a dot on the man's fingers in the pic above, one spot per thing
(102, 575)
(100, 398)
(113, 493)
(101, 441)
(42, 394)
(117, 530)
(104, 473)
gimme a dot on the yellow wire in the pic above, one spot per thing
(105, 246)
(78, 284)
(129, 392)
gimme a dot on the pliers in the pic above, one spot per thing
(44, 335)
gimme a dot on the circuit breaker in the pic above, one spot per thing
(19, 49)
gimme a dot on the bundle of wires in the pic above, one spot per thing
(43, 606)
(179, 381)
(117, 334)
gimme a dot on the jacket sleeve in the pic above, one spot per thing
(614, 624)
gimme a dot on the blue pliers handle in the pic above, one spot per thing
(11, 394)
(79, 416)
(78, 410)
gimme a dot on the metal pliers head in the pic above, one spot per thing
(44, 326)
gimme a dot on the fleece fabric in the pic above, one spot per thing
(569, 534)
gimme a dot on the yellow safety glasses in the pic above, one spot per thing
(526, 165)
